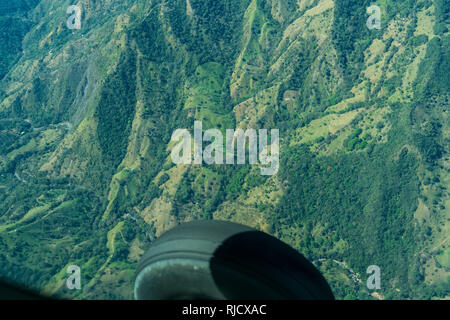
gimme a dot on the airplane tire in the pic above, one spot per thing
(223, 260)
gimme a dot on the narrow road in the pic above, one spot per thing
(19, 178)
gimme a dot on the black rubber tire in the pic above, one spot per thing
(223, 260)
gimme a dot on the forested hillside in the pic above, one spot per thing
(86, 118)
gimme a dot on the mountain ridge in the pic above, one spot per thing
(363, 119)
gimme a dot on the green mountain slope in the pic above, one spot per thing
(86, 118)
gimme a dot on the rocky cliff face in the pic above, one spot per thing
(86, 118)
